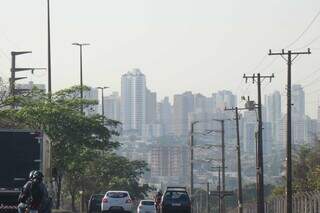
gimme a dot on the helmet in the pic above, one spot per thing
(37, 176)
(31, 174)
(159, 192)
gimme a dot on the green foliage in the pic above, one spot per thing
(306, 170)
(82, 146)
(306, 164)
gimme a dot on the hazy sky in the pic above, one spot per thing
(197, 45)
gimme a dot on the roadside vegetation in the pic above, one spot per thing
(83, 147)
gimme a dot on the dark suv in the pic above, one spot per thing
(175, 200)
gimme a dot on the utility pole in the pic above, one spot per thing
(259, 161)
(207, 198)
(289, 137)
(81, 79)
(191, 159)
(240, 200)
(14, 70)
(49, 50)
(102, 100)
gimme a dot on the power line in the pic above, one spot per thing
(308, 44)
(305, 31)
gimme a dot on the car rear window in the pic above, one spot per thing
(176, 196)
(147, 203)
(117, 194)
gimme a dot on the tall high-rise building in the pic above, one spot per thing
(298, 100)
(169, 160)
(112, 106)
(91, 94)
(183, 104)
(203, 103)
(225, 99)
(151, 107)
(249, 131)
(273, 113)
(165, 115)
(133, 101)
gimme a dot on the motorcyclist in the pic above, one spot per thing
(157, 199)
(24, 197)
(34, 195)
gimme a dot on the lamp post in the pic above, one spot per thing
(80, 45)
(49, 49)
(102, 101)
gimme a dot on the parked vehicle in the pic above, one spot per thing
(94, 204)
(115, 201)
(175, 200)
(147, 206)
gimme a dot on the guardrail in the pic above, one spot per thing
(304, 202)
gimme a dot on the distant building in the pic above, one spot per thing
(29, 86)
(182, 105)
(203, 103)
(249, 131)
(112, 108)
(302, 127)
(91, 94)
(273, 114)
(151, 107)
(165, 115)
(298, 100)
(267, 137)
(225, 98)
(133, 101)
(169, 160)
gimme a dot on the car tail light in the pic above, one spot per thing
(189, 205)
(129, 201)
(105, 200)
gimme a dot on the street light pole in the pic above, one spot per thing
(81, 79)
(102, 100)
(49, 50)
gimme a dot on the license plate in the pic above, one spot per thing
(176, 204)
(116, 207)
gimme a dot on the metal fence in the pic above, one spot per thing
(306, 202)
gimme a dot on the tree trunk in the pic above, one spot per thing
(73, 206)
(59, 185)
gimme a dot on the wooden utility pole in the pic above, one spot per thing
(289, 61)
(259, 154)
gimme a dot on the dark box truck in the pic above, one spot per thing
(20, 152)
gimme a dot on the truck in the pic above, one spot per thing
(21, 151)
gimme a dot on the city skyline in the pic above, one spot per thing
(141, 39)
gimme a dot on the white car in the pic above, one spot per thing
(116, 201)
(147, 206)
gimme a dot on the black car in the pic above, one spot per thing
(175, 200)
(94, 204)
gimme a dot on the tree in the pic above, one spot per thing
(70, 131)
(82, 146)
